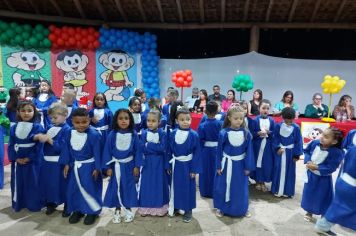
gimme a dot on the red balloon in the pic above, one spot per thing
(72, 41)
(91, 38)
(179, 73)
(57, 32)
(78, 37)
(91, 46)
(84, 32)
(78, 29)
(184, 75)
(65, 28)
(188, 72)
(79, 44)
(67, 44)
(84, 42)
(91, 30)
(52, 28)
(174, 74)
(185, 83)
(189, 79)
(71, 31)
(60, 42)
(65, 36)
(96, 44)
(174, 79)
(189, 84)
(180, 80)
(97, 34)
(52, 37)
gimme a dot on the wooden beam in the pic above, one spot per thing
(121, 10)
(142, 12)
(292, 10)
(201, 10)
(100, 7)
(269, 9)
(79, 7)
(223, 9)
(254, 38)
(8, 4)
(247, 4)
(180, 13)
(218, 25)
(56, 6)
(315, 11)
(339, 11)
(159, 5)
(34, 6)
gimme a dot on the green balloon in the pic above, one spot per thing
(39, 28)
(3, 26)
(18, 29)
(27, 27)
(25, 35)
(26, 44)
(18, 39)
(46, 43)
(13, 25)
(11, 33)
(33, 41)
(39, 36)
(45, 32)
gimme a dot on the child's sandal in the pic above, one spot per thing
(264, 188)
(117, 218)
(309, 218)
(259, 187)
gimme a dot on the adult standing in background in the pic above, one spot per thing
(344, 108)
(316, 109)
(287, 101)
(255, 102)
(225, 105)
(216, 96)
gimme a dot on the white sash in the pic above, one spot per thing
(102, 128)
(51, 158)
(282, 179)
(229, 171)
(173, 162)
(210, 144)
(17, 146)
(349, 179)
(93, 204)
(15, 184)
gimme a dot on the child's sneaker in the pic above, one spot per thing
(75, 217)
(187, 217)
(117, 218)
(128, 216)
(51, 207)
(219, 213)
(248, 215)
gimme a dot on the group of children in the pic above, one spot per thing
(153, 157)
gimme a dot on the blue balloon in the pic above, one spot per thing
(101, 30)
(112, 38)
(154, 85)
(108, 44)
(153, 52)
(147, 40)
(125, 37)
(118, 33)
(154, 37)
(153, 63)
(131, 34)
(140, 46)
(146, 46)
(119, 43)
(149, 80)
(133, 49)
(153, 45)
(149, 68)
(153, 73)
(102, 39)
(137, 38)
(124, 31)
(131, 42)
(112, 31)
(145, 63)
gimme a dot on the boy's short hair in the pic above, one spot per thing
(58, 108)
(211, 108)
(174, 93)
(266, 101)
(70, 93)
(80, 112)
(288, 113)
(68, 86)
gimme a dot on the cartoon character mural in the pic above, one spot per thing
(73, 64)
(117, 63)
(28, 65)
(312, 131)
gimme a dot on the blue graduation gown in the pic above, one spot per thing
(69, 117)
(104, 124)
(1, 157)
(349, 140)
(318, 191)
(184, 186)
(82, 153)
(52, 181)
(264, 165)
(208, 131)
(233, 142)
(121, 145)
(342, 210)
(25, 188)
(284, 165)
(251, 124)
(154, 186)
(220, 117)
(166, 110)
(44, 106)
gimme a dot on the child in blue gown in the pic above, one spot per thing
(52, 182)
(153, 196)
(235, 161)
(43, 101)
(122, 159)
(342, 210)
(81, 157)
(350, 140)
(135, 109)
(184, 165)
(262, 146)
(101, 116)
(287, 148)
(208, 132)
(25, 154)
(322, 157)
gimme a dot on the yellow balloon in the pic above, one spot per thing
(327, 77)
(326, 90)
(343, 82)
(334, 90)
(336, 77)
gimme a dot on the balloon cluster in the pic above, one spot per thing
(242, 83)
(74, 37)
(133, 42)
(182, 78)
(332, 84)
(25, 36)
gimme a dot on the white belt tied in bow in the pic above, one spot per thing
(118, 174)
(349, 179)
(51, 158)
(173, 162)
(102, 128)
(93, 204)
(14, 198)
(17, 146)
(282, 179)
(229, 170)
(210, 144)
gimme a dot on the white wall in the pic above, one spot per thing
(271, 74)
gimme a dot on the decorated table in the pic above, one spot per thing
(345, 127)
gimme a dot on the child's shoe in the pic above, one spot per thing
(117, 218)
(51, 207)
(187, 217)
(89, 219)
(219, 213)
(75, 217)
